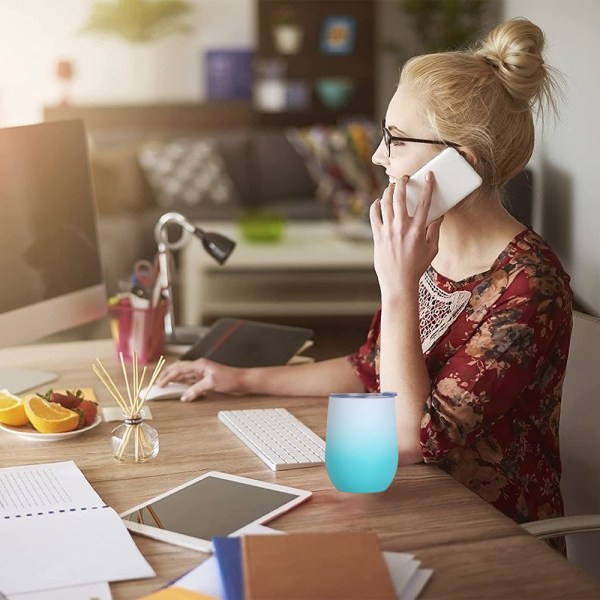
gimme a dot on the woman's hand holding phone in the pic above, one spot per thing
(404, 245)
(406, 220)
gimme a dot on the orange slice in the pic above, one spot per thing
(50, 417)
(12, 410)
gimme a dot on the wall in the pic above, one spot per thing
(35, 34)
(112, 70)
(567, 210)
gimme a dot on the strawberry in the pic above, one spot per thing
(69, 399)
(88, 411)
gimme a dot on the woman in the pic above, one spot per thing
(475, 318)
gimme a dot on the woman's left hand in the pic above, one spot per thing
(404, 246)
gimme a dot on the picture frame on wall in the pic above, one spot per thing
(338, 34)
(228, 73)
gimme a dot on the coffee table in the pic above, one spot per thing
(313, 271)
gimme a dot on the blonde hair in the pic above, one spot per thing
(485, 98)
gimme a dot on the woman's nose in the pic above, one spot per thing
(380, 156)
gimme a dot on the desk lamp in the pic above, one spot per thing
(217, 245)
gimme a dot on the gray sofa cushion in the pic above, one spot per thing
(235, 148)
(282, 172)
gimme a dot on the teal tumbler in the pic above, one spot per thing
(361, 450)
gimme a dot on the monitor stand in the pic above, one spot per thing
(20, 380)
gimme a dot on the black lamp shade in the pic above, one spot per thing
(217, 245)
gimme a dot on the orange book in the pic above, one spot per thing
(319, 566)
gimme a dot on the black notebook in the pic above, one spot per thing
(243, 343)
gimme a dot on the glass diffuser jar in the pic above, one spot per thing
(134, 440)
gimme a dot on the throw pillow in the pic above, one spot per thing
(339, 160)
(186, 173)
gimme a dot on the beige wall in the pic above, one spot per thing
(566, 161)
(34, 34)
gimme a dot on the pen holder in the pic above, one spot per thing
(134, 440)
(361, 450)
(138, 330)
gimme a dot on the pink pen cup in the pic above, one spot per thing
(139, 330)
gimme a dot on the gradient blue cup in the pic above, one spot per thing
(361, 449)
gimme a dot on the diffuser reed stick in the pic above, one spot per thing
(137, 441)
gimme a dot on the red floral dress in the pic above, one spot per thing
(496, 371)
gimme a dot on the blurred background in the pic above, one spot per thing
(251, 67)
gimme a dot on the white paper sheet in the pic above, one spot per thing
(90, 591)
(50, 519)
(416, 584)
(41, 488)
(401, 567)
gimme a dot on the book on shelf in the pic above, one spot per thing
(245, 343)
(344, 566)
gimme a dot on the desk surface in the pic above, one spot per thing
(474, 550)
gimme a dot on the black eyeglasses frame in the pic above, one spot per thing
(388, 138)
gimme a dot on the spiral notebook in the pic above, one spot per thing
(53, 509)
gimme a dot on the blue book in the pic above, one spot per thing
(228, 551)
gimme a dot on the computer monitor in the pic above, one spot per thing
(51, 276)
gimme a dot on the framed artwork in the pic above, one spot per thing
(228, 74)
(338, 34)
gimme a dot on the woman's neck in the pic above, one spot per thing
(473, 235)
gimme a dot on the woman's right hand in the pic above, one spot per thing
(404, 246)
(203, 376)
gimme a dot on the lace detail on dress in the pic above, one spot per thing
(437, 310)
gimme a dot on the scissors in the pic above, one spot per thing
(145, 275)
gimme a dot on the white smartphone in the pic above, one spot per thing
(455, 179)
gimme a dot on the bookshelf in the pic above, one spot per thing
(316, 59)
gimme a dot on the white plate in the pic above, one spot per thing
(28, 432)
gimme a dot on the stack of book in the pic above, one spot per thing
(345, 565)
(299, 566)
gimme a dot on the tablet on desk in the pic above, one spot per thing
(214, 504)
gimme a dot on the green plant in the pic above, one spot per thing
(441, 25)
(139, 21)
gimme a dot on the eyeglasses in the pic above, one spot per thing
(388, 138)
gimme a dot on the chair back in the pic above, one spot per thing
(580, 438)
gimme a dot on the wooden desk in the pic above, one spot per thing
(474, 550)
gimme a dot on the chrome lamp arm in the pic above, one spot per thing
(217, 245)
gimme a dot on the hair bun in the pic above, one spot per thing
(514, 50)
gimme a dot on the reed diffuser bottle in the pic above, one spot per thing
(133, 440)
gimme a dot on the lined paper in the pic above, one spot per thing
(51, 517)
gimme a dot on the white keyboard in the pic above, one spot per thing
(279, 439)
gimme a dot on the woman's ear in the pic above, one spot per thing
(469, 156)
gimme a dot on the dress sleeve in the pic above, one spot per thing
(519, 348)
(365, 360)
